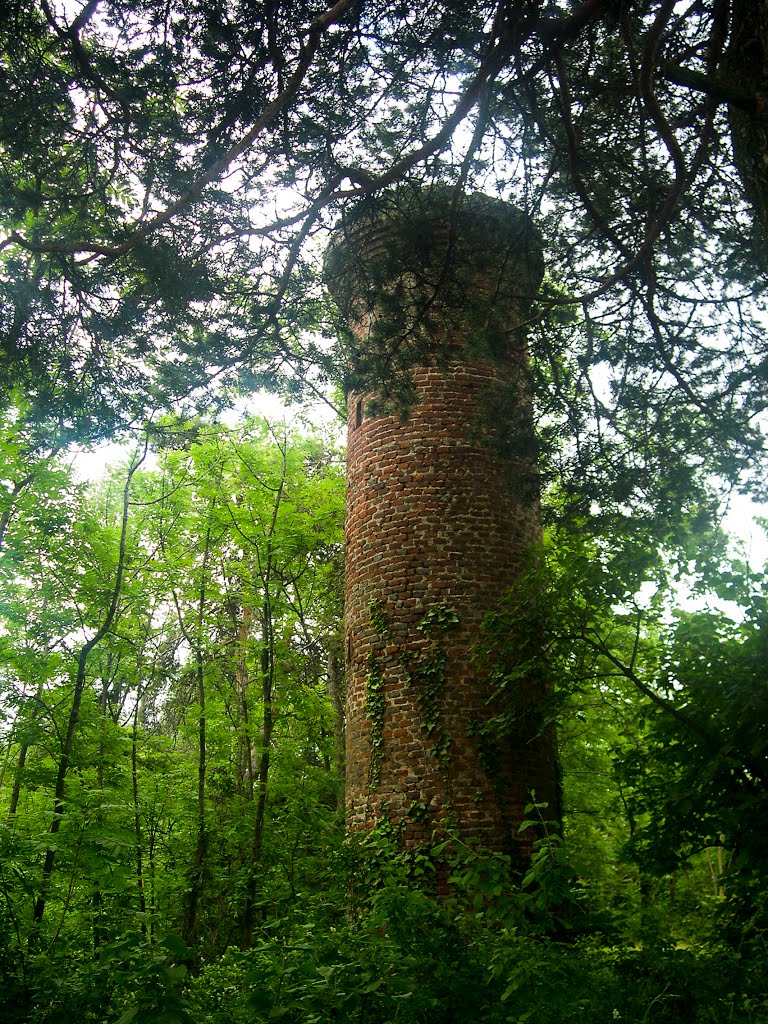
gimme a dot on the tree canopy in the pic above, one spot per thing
(169, 171)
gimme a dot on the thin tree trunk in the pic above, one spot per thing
(245, 747)
(152, 882)
(190, 922)
(59, 807)
(267, 723)
(137, 820)
(262, 779)
(99, 932)
(16, 791)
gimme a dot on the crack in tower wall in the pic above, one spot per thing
(442, 509)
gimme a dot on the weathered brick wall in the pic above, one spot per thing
(441, 509)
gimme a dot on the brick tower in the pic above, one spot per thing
(442, 506)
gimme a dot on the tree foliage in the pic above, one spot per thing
(165, 642)
(171, 762)
(171, 823)
(169, 173)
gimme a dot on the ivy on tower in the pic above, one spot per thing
(442, 511)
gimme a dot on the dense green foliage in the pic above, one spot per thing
(171, 843)
(165, 643)
(169, 172)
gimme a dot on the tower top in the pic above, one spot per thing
(418, 273)
(443, 243)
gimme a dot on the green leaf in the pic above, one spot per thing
(176, 945)
(128, 1016)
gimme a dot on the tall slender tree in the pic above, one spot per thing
(82, 656)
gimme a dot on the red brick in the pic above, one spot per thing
(440, 511)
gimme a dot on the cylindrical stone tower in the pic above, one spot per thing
(442, 508)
